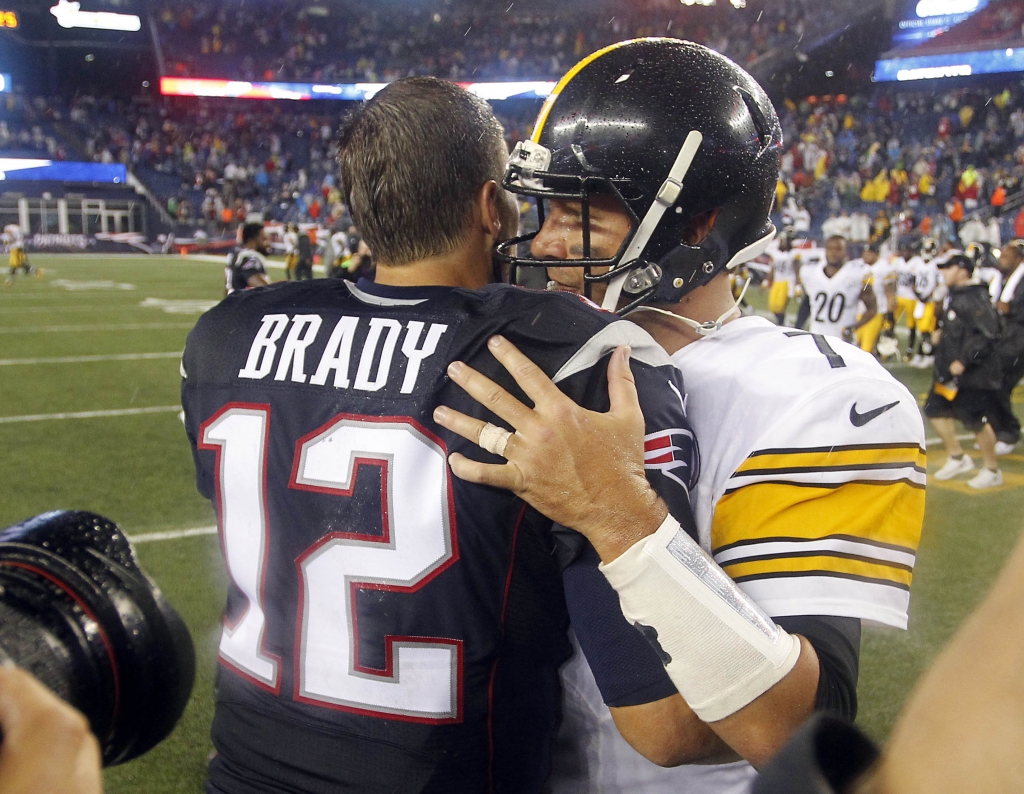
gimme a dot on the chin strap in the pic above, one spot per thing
(702, 329)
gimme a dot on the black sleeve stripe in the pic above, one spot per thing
(826, 485)
(782, 539)
(836, 448)
(830, 574)
(824, 469)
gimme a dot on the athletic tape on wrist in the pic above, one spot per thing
(724, 651)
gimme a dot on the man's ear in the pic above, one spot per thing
(498, 212)
(487, 204)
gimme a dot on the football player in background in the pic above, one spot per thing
(246, 266)
(811, 494)
(1011, 346)
(783, 278)
(16, 257)
(883, 284)
(906, 297)
(389, 627)
(291, 249)
(836, 288)
(926, 282)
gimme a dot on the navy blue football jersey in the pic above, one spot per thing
(390, 627)
(241, 265)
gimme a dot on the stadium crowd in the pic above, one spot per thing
(292, 41)
(213, 162)
(943, 154)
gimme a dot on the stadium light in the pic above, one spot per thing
(70, 15)
(200, 86)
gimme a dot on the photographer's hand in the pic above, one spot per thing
(47, 745)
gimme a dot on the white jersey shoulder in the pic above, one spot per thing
(809, 445)
(834, 298)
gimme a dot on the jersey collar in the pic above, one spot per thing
(388, 295)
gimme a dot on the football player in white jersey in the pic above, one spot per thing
(16, 258)
(783, 278)
(835, 289)
(883, 284)
(291, 249)
(815, 514)
(906, 297)
(926, 283)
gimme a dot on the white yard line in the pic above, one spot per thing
(173, 534)
(60, 309)
(156, 409)
(10, 362)
(271, 263)
(74, 329)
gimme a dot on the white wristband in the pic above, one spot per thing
(724, 651)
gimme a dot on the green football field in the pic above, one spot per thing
(89, 420)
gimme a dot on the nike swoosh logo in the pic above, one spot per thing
(861, 419)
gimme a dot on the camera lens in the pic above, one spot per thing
(77, 611)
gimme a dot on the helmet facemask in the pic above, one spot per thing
(527, 175)
(629, 271)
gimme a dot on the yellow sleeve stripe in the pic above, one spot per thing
(889, 514)
(860, 570)
(834, 458)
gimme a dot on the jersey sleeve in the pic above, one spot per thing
(824, 516)
(251, 266)
(626, 667)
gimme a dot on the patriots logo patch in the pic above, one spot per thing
(673, 452)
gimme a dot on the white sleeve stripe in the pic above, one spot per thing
(778, 548)
(825, 595)
(621, 332)
(795, 575)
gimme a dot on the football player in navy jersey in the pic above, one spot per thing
(246, 267)
(390, 627)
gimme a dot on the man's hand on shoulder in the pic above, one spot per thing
(580, 468)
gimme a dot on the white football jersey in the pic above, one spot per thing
(341, 242)
(17, 236)
(291, 242)
(783, 266)
(811, 497)
(907, 276)
(834, 299)
(926, 278)
(883, 272)
(809, 445)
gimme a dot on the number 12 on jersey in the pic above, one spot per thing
(422, 677)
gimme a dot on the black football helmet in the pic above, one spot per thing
(673, 130)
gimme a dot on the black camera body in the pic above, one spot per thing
(78, 612)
